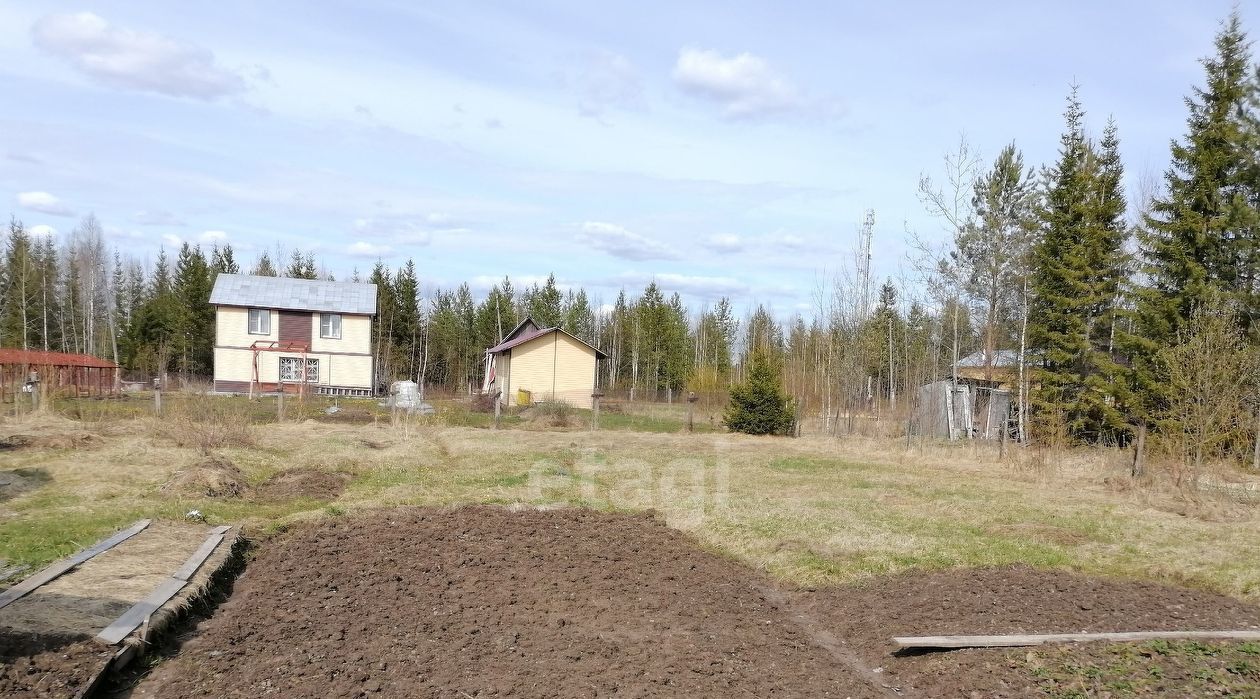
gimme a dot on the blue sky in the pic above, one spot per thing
(722, 150)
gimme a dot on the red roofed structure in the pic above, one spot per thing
(55, 373)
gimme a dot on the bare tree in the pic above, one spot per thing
(950, 200)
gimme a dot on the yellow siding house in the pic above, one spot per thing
(274, 333)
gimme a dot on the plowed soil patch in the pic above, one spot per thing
(482, 602)
(1014, 600)
(33, 667)
(302, 483)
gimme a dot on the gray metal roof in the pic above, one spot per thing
(294, 294)
(1001, 358)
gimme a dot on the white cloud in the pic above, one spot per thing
(604, 80)
(133, 59)
(213, 237)
(619, 242)
(363, 248)
(790, 241)
(745, 85)
(399, 230)
(689, 284)
(42, 230)
(724, 243)
(44, 203)
(157, 218)
(172, 240)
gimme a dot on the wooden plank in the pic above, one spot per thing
(59, 568)
(140, 612)
(194, 562)
(133, 617)
(1041, 639)
(9, 571)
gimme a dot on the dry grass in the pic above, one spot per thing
(812, 510)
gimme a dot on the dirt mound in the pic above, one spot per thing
(68, 440)
(303, 483)
(1008, 600)
(213, 477)
(14, 483)
(482, 602)
(31, 669)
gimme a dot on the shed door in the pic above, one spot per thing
(295, 326)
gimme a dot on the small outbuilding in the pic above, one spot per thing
(534, 364)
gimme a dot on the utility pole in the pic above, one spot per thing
(892, 376)
(864, 261)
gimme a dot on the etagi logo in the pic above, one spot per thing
(684, 490)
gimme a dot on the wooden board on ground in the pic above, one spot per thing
(61, 567)
(948, 642)
(194, 561)
(134, 617)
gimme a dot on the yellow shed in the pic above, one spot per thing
(535, 364)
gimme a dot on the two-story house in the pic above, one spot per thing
(299, 334)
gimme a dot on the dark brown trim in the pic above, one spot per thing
(222, 386)
(333, 354)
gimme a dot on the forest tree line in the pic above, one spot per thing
(1127, 312)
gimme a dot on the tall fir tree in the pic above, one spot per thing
(1194, 237)
(194, 341)
(1076, 265)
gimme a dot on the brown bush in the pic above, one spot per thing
(206, 424)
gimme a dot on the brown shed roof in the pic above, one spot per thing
(535, 334)
(41, 358)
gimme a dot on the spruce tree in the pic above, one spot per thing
(1194, 237)
(1200, 236)
(302, 266)
(1076, 268)
(406, 317)
(759, 405)
(21, 288)
(194, 342)
(264, 267)
(545, 304)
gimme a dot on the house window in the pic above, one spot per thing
(291, 370)
(259, 321)
(330, 325)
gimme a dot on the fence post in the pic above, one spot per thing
(1139, 452)
(498, 406)
(595, 410)
(691, 410)
(280, 401)
(157, 395)
(1006, 426)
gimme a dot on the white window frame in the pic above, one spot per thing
(289, 366)
(263, 316)
(332, 321)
